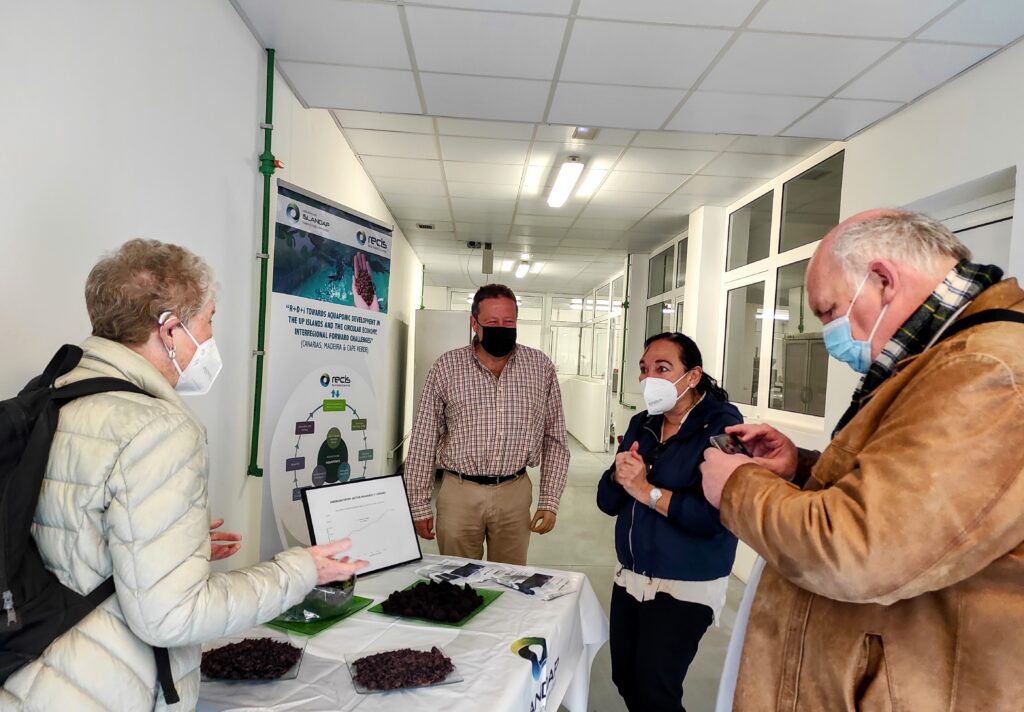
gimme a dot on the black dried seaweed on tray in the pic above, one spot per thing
(437, 601)
(251, 659)
(402, 668)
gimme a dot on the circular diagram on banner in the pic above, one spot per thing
(323, 437)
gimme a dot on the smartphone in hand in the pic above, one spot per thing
(729, 444)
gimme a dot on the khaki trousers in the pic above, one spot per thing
(469, 514)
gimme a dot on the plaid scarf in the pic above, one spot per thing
(963, 283)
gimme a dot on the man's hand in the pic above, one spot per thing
(543, 521)
(329, 568)
(222, 551)
(770, 448)
(425, 527)
(716, 470)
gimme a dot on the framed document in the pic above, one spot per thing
(374, 513)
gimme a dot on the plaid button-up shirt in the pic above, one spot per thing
(474, 423)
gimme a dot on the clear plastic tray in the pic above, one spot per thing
(352, 658)
(290, 674)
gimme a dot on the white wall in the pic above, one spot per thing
(143, 120)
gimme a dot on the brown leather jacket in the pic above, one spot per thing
(895, 578)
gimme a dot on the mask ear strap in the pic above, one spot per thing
(857, 293)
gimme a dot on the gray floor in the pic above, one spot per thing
(583, 541)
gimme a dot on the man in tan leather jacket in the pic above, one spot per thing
(894, 575)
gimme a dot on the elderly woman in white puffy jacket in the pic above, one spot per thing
(125, 496)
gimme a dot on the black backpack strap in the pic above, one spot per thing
(164, 676)
(986, 316)
(92, 386)
(101, 593)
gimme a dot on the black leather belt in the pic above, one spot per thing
(488, 479)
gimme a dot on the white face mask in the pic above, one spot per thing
(660, 395)
(201, 371)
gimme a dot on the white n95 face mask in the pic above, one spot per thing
(198, 376)
(660, 395)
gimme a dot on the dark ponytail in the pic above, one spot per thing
(690, 356)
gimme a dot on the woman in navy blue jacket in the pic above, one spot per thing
(674, 554)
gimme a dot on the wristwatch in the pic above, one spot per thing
(655, 495)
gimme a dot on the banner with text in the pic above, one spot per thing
(326, 317)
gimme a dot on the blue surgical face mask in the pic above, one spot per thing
(840, 342)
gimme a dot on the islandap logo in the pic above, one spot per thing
(526, 648)
(293, 212)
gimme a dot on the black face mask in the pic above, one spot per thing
(498, 341)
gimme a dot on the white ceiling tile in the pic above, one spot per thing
(538, 230)
(739, 113)
(429, 235)
(411, 185)
(596, 235)
(626, 199)
(547, 7)
(392, 143)
(406, 202)
(841, 118)
(485, 43)
(684, 203)
(684, 140)
(483, 173)
(671, 221)
(484, 129)
(384, 122)
(592, 155)
(613, 212)
(719, 185)
(563, 134)
(872, 18)
(781, 145)
(329, 86)
(485, 97)
(387, 167)
(795, 65)
(654, 160)
(492, 209)
(491, 191)
(615, 106)
(307, 30)
(534, 206)
(727, 13)
(588, 242)
(639, 55)
(484, 150)
(750, 165)
(642, 182)
(489, 229)
(608, 223)
(913, 69)
(441, 220)
(543, 221)
(983, 21)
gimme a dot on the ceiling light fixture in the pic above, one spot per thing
(522, 269)
(592, 182)
(536, 267)
(506, 266)
(568, 174)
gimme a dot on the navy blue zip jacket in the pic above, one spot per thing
(690, 544)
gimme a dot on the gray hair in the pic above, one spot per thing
(904, 237)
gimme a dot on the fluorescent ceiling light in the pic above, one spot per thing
(568, 174)
(522, 269)
(592, 182)
(536, 267)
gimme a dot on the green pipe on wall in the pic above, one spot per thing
(267, 165)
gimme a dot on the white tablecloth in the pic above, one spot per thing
(573, 628)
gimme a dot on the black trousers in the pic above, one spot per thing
(652, 645)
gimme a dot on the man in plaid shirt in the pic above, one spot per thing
(487, 412)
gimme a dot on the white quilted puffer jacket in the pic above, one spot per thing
(125, 495)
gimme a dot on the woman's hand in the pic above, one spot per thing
(328, 568)
(631, 473)
(222, 551)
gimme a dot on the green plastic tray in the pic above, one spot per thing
(488, 595)
(312, 628)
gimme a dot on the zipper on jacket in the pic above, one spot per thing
(632, 518)
(12, 616)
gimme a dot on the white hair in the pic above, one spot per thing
(906, 238)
